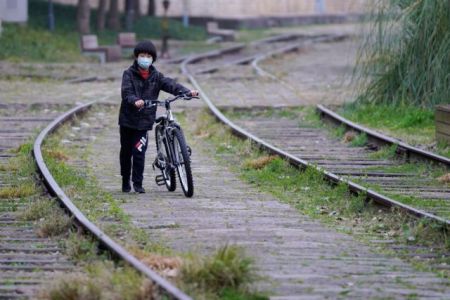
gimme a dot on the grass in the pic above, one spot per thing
(404, 60)
(102, 280)
(403, 71)
(412, 124)
(20, 170)
(35, 43)
(228, 272)
(308, 192)
(388, 152)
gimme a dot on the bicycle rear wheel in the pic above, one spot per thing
(183, 163)
(168, 173)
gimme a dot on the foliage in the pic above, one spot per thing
(404, 60)
(102, 281)
(411, 123)
(228, 270)
(35, 43)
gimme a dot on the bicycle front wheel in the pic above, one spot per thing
(168, 173)
(183, 163)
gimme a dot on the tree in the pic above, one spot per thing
(137, 8)
(83, 16)
(113, 15)
(151, 8)
(101, 14)
(130, 12)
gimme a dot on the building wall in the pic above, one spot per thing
(14, 10)
(249, 8)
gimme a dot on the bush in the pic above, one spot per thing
(404, 60)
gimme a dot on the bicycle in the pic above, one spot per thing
(172, 152)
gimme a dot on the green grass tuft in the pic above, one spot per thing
(227, 269)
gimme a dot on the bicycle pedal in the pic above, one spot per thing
(159, 179)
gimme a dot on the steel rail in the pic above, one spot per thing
(296, 161)
(379, 138)
(118, 251)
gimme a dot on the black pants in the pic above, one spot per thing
(133, 144)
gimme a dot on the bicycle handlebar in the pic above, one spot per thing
(151, 103)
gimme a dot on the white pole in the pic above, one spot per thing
(186, 13)
(320, 6)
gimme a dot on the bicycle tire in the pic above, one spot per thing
(170, 179)
(184, 168)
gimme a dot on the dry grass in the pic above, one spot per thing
(56, 154)
(259, 162)
(54, 224)
(349, 136)
(165, 265)
(17, 191)
(101, 281)
(444, 178)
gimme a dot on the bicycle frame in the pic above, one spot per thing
(166, 142)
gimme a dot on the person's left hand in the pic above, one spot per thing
(194, 93)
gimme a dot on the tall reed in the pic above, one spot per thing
(405, 57)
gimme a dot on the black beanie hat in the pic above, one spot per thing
(145, 47)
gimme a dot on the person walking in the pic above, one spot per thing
(141, 81)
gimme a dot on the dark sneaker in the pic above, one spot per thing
(126, 187)
(138, 188)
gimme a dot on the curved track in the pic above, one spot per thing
(337, 161)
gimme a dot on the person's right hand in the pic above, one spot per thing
(139, 103)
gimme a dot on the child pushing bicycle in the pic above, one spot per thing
(140, 82)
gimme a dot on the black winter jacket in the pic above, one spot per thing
(134, 87)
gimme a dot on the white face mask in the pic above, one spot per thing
(144, 62)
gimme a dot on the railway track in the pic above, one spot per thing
(301, 257)
(286, 128)
(28, 261)
(382, 180)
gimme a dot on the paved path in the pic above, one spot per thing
(301, 258)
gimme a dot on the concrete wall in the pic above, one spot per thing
(249, 8)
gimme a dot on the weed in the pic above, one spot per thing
(228, 268)
(388, 152)
(38, 209)
(20, 191)
(444, 178)
(56, 154)
(102, 281)
(53, 224)
(168, 266)
(259, 162)
(349, 136)
(81, 248)
(360, 140)
(339, 132)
